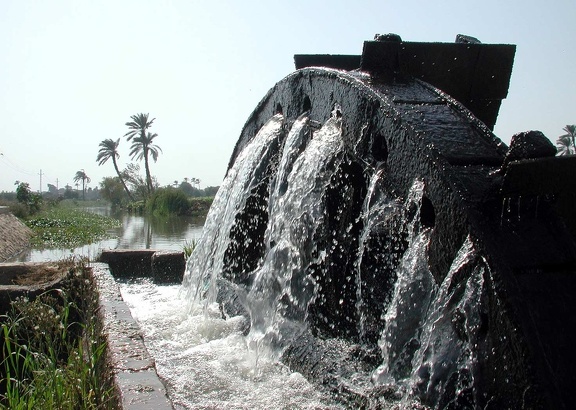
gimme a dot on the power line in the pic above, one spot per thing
(15, 167)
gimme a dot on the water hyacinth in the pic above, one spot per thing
(69, 228)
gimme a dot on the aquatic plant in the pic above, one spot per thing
(189, 247)
(60, 227)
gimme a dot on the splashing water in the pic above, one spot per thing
(307, 257)
(204, 360)
(282, 289)
(206, 262)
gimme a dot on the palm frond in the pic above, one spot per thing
(565, 145)
(108, 149)
(570, 129)
(138, 125)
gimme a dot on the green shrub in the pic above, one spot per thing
(25, 196)
(168, 201)
(19, 210)
(136, 207)
(200, 206)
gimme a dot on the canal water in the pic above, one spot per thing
(136, 232)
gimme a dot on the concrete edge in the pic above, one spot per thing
(132, 367)
(163, 266)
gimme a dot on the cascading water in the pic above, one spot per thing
(319, 265)
(247, 174)
(281, 289)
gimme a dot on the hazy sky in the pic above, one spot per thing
(73, 72)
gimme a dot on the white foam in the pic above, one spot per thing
(205, 360)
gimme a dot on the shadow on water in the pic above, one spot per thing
(136, 232)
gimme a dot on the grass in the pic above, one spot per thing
(64, 227)
(53, 349)
(189, 247)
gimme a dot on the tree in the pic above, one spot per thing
(112, 190)
(211, 190)
(567, 143)
(81, 176)
(109, 150)
(131, 175)
(52, 189)
(25, 196)
(142, 145)
(23, 192)
(142, 148)
(187, 188)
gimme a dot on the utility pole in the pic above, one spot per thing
(40, 182)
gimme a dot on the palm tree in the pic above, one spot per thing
(143, 147)
(81, 176)
(109, 150)
(567, 143)
(138, 126)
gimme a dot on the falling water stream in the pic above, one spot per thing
(260, 276)
(205, 360)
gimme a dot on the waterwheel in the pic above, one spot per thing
(404, 256)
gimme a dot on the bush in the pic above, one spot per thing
(137, 207)
(199, 207)
(168, 201)
(26, 197)
(19, 210)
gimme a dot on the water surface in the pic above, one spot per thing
(136, 232)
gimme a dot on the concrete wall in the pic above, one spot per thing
(137, 384)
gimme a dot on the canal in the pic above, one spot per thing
(136, 232)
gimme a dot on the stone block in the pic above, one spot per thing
(128, 262)
(168, 266)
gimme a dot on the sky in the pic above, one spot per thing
(72, 72)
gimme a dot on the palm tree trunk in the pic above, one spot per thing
(147, 168)
(122, 180)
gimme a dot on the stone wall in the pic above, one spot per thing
(14, 235)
